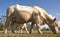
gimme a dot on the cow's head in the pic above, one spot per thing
(54, 26)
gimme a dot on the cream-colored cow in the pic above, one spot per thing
(35, 14)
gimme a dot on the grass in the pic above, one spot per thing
(34, 34)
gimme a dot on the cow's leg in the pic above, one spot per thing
(31, 27)
(38, 28)
(12, 28)
(38, 23)
(26, 28)
(16, 28)
(21, 28)
(6, 25)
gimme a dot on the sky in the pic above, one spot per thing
(51, 6)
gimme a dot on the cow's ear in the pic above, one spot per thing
(54, 19)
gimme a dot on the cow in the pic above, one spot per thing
(35, 14)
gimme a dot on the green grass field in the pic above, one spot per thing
(34, 34)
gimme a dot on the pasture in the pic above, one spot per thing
(33, 34)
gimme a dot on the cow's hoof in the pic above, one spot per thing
(40, 33)
(14, 32)
(4, 32)
(27, 32)
(30, 32)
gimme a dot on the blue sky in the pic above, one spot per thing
(51, 6)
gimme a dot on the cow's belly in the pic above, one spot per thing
(23, 17)
(21, 21)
